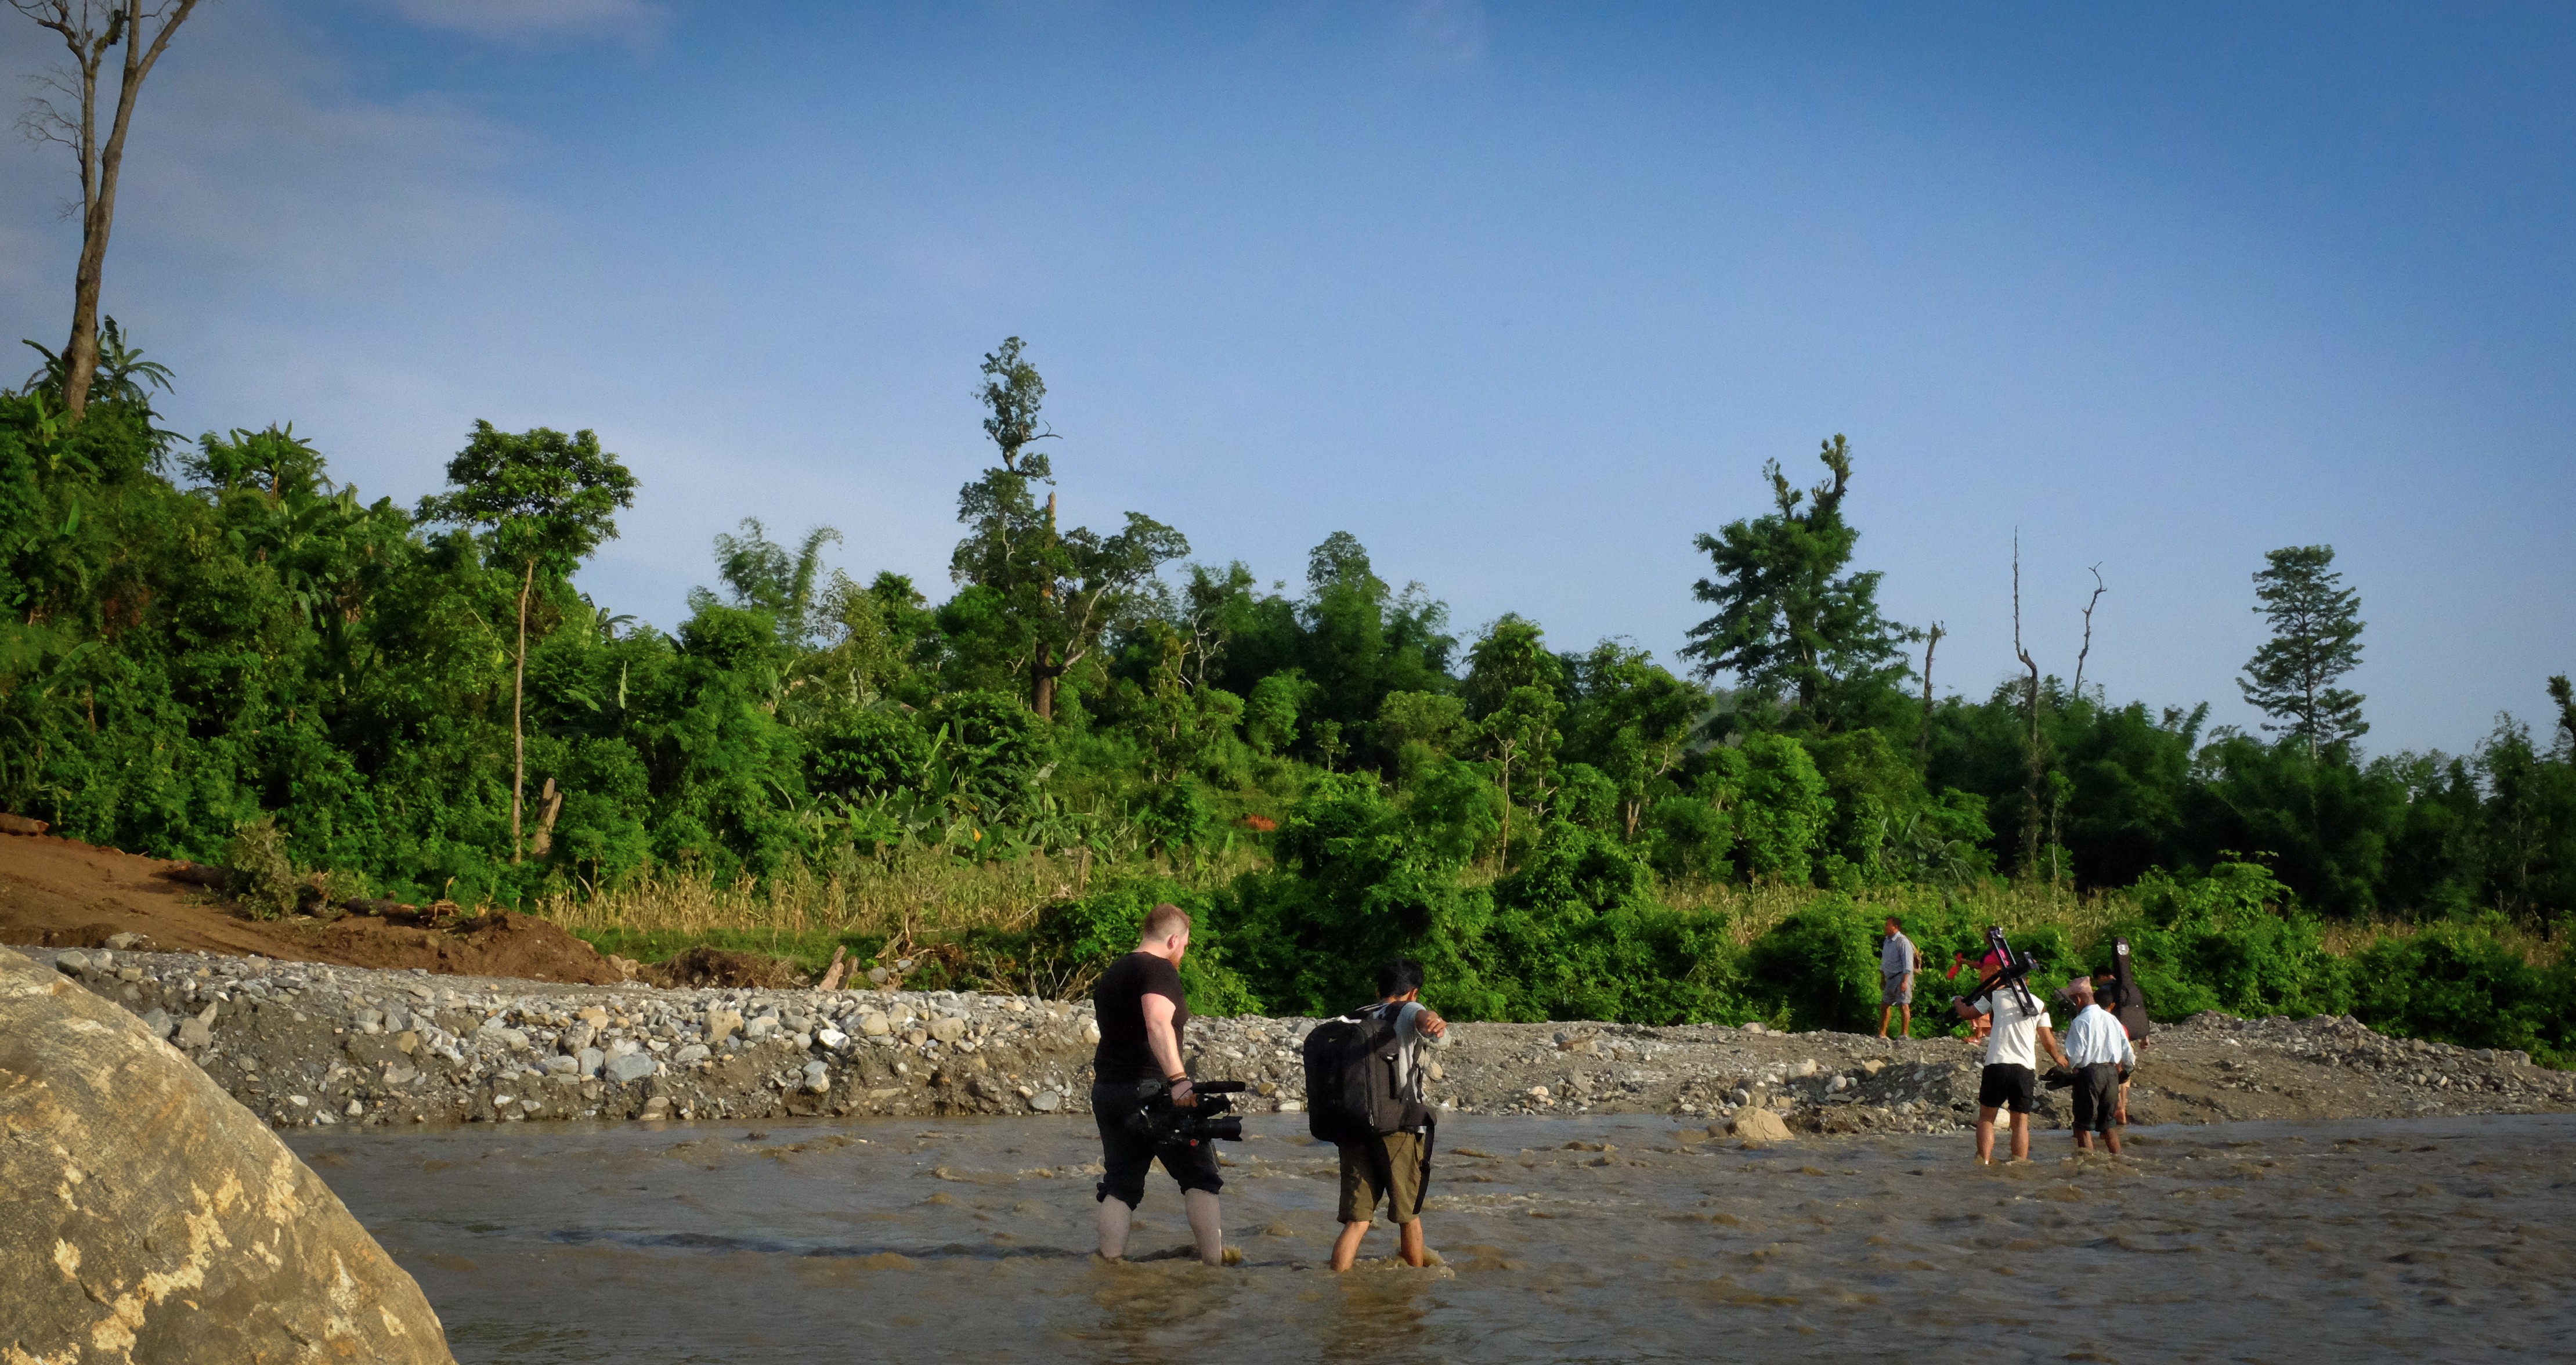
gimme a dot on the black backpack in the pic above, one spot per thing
(1350, 1079)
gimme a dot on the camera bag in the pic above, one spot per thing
(1351, 1093)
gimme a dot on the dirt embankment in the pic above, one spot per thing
(64, 894)
(312, 1043)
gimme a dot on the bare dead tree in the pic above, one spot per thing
(1923, 737)
(2098, 589)
(2031, 812)
(91, 29)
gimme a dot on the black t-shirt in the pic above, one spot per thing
(1124, 1057)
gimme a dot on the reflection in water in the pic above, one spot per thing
(1590, 1239)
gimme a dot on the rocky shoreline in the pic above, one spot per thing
(312, 1044)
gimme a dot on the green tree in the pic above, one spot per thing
(1791, 623)
(2316, 638)
(1054, 592)
(546, 500)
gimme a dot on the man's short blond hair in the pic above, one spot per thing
(1165, 920)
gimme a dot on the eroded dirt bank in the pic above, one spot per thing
(305, 1043)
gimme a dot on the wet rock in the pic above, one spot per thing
(176, 1228)
(1758, 1125)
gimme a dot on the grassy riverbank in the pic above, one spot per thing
(1792, 957)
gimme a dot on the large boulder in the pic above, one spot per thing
(153, 1219)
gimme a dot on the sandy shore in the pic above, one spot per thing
(312, 1044)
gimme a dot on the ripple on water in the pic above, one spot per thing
(1614, 1238)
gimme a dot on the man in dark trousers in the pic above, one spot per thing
(1393, 1166)
(1142, 1013)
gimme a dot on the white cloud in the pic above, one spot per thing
(635, 20)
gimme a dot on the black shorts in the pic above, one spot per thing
(2097, 1097)
(2006, 1085)
(1125, 1154)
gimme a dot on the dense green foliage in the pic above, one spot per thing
(215, 648)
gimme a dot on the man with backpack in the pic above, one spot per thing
(1364, 1095)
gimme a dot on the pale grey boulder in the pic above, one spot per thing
(153, 1219)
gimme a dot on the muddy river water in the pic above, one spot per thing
(1563, 1239)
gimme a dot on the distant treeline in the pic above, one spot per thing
(204, 636)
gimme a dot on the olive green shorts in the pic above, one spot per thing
(1389, 1168)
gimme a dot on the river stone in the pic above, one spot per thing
(157, 1021)
(690, 1055)
(722, 1024)
(875, 1025)
(761, 1027)
(948, 1028)
(563, 1066)
(175, 1227)
(1046, 1101)
(833, 1038)
(589, 1061)
(818, 1077)
(193, 1033)
(633, 1066)
(1758, 1125)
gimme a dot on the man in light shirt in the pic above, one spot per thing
(2098, 1052)
(1896, 979)
(2011, 1079)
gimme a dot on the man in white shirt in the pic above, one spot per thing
(1896, 978)
(2099, 1054)
(2011, 1079)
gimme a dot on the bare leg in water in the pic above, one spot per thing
(1207, 1227)
(1114, 1215)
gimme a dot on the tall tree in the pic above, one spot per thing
(1791, 623)
(2316, 638)
(92, 30)
(1057, 590)
(546, 500)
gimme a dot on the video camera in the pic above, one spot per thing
(2014, 973)
(1170, 1124)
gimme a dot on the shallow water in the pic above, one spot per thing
(919, 1240)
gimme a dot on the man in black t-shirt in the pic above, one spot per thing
(1142, 1012)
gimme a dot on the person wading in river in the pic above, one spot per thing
(2011, 1079)
(1142, 1013)
(2099, 1054)
(1394, 1166)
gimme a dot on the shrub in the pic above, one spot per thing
(257, 872)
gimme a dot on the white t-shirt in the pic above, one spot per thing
(1410, 1040)
(2015, 1041)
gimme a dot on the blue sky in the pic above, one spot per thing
(1522, 296)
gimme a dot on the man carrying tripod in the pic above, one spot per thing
(2011, 1079)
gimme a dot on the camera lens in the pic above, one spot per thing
(1226, 1129)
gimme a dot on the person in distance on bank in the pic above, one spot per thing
(1143, 1012)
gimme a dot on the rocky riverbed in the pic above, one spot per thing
(311, 1045)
